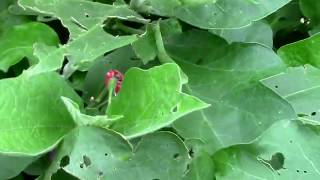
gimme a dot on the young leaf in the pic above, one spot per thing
(151, 99)
(95, 153)
(84, 120)
(33, 117)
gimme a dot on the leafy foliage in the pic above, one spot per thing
(211, 89)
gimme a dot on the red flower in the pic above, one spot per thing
(114, 74)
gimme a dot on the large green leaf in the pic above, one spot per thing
(33, 117)
(151, 99)
(18, 42)
(302, 52)
(213, 14)
(288, 150)
(258, 32)
(94, 153)
(303, 94)
(228, 79)
(85, 22)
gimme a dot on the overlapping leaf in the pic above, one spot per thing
(258, 32)
(85, 22)
(18, 42)
(228, 79)
(151, 99)
(288, 150)
(213, 14)
(303, 94)
(302, 52)
(94, 153)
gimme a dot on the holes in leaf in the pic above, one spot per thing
(176, 156)
(276, 86)
(105, 154)
(276, 162)
(199, 61)
(87, 15)
(81, 165)
(134, 59)
(174, 109)
(313, 113)
(64, 161)
(298, 170)
(305, 171)
(291, 141)
(86, 160)
(191, 152)
(100, 174)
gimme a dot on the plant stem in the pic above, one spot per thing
(127, 29)
(68, 70)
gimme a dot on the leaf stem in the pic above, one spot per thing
(68, 70)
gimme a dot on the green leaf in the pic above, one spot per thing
(303, 94)
(213, 14)
(84, 120)
(302, 52)
(146, 47)
(17, 42)
(258, 32)
(85, 22)
(94, 153)
(228, 79)
(33, 117)
(11, 166)
(151, 99)
(288, 150)
(201, 166)
(49, 58)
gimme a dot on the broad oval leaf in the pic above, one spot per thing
(213, 14)
(151, 99)
(228, 78)
(33, 117)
